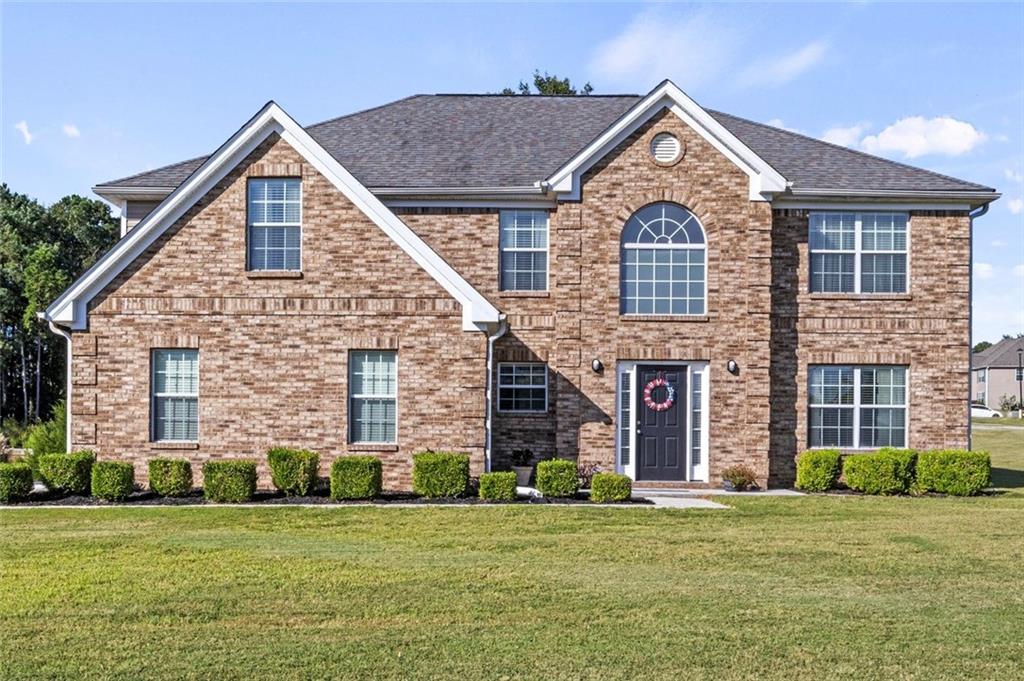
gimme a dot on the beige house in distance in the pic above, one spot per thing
(994, 372)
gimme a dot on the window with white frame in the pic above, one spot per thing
(523, 245)
(857, 406)
(663, 262)
(175, 395)
(982, 375)
(373, 397)
(275, 223)
(523, 387)
(858, 252)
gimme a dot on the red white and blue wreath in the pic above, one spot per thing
(670, 395)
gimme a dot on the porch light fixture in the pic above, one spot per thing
(733, 367)
(596, 365)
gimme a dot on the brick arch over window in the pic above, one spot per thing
(663, 258)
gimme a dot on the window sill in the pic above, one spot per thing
(861, 296)
(685, 318)
(524, 294)
(274, 274)
(527, 414)
(370, 447)
(174, 445)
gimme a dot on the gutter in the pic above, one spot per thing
(978, 195)
(67, 370)
(977, 213)
(489, 391)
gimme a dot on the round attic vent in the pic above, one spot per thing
(665, 147)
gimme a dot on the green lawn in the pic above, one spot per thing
(817, 587)
(1004, 440)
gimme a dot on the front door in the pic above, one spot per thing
(660, 422)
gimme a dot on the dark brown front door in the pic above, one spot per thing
(661, 435)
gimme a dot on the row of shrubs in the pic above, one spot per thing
(293, 472)
(895, 471)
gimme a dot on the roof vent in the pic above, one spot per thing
(665, 147)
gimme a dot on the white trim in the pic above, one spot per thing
(500, 204)
(522, 249)
(513, 386)
(250, 224)
(857, 406)
(349, 412)
(866, 207)
(764, 180)
(154, 395)
(858, 251)
(70, 309)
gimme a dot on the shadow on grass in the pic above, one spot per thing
(1007, 477)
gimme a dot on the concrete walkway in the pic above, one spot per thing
(682, 502)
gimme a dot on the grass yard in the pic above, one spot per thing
(817, 587)
(1004, 440)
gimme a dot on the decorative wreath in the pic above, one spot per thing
(670, 396)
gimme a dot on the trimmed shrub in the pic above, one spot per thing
(15, 481)
(229, 481)
(293, 471)
(741, 477)
(47, 437)
(818, 470)
(557, 478)
(953, 471)
(67, 473)
(609, 487)
(355, 477)
(112, 480)
(498, 486)
(440, 474)
(887, 471)
(170, 477)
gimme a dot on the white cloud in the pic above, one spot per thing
(779, 123)
(917, 136)
(983, 270)
(71, 130)
(691, 49)
(22, 127)
(1015, 206)
(1018, 270)
(846, 137)
(784, 68)
(1014, 175)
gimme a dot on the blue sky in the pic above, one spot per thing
(95, 92)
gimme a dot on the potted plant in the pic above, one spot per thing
(738, 478)
(521, 464)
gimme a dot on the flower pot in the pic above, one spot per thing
(523, 474)
(728, 486)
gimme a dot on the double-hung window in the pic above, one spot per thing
(373, 397)
(523, 244)
(275, 223)
(175, 395)
(858, 252)
(523, 387)
(857, 406)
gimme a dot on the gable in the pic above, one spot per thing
(71, 308)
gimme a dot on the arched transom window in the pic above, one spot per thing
(664, 258)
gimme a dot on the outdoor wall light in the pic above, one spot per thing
(597, 366)
(733, 367)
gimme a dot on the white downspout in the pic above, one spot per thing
(502, 328)
(977, 213)
(67, 370)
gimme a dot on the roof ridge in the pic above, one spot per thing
(366, 110)
(840, 147)
(517, 94)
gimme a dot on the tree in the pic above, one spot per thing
(983, 345)
(44, 281)
(548, 85)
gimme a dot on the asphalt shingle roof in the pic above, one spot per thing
(1002, 354)
(474, 141)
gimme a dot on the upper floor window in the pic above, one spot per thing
(275, 223)
(523, 245)
(175, 395)
(664, 262)
(858, 252)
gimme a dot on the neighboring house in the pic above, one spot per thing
(488, 273)
(994, 372)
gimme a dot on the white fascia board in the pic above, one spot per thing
(70, 309)
(764, 180)
(798, 204)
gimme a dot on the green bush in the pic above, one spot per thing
(606, 487)
(498, 486)
(887, 471)
(818, 470)
(15, 481)
(170, 477)
(48, 437)
(355, 477)
(229, 481)
(293, 471)
(953, 471)
(440, 474)
(67, 473)
(112, 480)
(557, 478)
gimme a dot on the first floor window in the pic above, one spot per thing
(373, 396)
(175, 395)
(523, 387)
(275, 223)
(857, 406)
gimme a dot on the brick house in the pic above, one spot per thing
(631, 281)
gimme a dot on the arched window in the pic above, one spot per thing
(663, 257)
